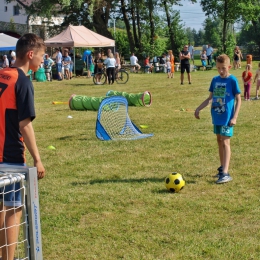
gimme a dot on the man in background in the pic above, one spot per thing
(209, 52)
(191, 51)
(133, 62)
(58, 63)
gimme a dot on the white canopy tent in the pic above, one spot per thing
(7, 42)
(79, 36)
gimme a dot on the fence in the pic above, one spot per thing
(29, 245)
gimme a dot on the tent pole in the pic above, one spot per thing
(74, 62)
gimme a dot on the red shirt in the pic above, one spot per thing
(16, 104)
(146, 62)
(249, 75)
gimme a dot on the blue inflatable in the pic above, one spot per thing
(86, 53)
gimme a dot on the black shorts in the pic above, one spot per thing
(185, 67)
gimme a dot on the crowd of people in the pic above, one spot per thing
(63, 61)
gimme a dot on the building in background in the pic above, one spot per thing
(14, 20)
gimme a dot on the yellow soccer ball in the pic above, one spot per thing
(174, 182)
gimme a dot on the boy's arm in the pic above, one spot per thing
(27, 132)
(233, 120)
(202, 105)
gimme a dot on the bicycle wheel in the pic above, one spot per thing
(122, 77)
(99, 78)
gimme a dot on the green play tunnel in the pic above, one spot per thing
(140, 99)
(77, 102)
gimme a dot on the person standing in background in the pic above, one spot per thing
(6, 62)
(209, 52)
(171, 58)
(110, 63)
(247, 78)
(58, 61)
(184, 57)
(191, 51)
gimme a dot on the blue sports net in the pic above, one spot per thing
(113, 122)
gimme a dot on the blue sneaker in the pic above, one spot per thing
(220, 171)
(224, 177)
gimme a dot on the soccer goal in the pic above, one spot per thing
(29, 245)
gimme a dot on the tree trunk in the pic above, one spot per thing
(139, 30)
(100, 20)
(132, 10)
(127, 25)
(225, 24)
(168, 17)
(152, 36)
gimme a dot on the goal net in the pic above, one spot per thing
(113, 122)
(29, 244)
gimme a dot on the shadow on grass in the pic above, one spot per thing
(99, 181)
(80, 85)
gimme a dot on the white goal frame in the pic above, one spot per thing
(31, 211)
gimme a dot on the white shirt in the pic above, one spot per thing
(133, 60)
(110, 63)
(6, 63)
(58, 57)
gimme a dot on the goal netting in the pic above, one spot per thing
(113, 122)
(28, 246)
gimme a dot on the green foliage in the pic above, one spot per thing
(213, 31)
(12, 25)
(157, 49)
(122, 43)
(180, 36)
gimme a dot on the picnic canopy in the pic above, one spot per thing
(7, 42)
(79, 36)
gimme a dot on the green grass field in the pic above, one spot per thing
(107, 200)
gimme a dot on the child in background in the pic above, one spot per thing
(203, 58)
(223, 92)
(169, 67)
(247, 78)
(257, 77)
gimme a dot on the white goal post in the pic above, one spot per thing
(31, 234)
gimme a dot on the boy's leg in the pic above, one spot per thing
(226, 153)
(12, 219)
(220, 149)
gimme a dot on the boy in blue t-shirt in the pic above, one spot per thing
(224, 90)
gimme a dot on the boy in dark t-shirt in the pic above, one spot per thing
(16, 130)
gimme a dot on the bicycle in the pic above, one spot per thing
(121, 77)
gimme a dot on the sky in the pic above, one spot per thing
(191, 14)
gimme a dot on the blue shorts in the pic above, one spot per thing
(58, 67)
(168, 70)
(11, 193)
(223, 130)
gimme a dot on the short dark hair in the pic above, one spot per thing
(28, 42)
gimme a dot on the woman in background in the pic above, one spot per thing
(110, 63)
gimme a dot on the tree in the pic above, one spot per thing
(227, 11)
(166, 5)
(212, 31)
(251, 25)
